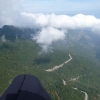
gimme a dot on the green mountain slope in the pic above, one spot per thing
(22, 56)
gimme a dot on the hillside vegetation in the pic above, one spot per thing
(22, 56)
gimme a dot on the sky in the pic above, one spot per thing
(69, 7)
(53, 17)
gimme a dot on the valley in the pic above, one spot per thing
(75, 65)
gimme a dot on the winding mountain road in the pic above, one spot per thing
(86, 95)
(57, 67)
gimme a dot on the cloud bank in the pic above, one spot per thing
(59, 21)
(31, 20)
(53, 27)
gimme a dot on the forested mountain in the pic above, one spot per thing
(12, 33)
(20, 54)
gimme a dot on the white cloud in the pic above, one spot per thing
(9, 16)
(47, 36)
(63, 21)
(52, 26)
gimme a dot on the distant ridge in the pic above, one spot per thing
(13, 32)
